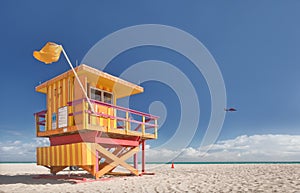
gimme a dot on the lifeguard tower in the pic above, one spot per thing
(91, 132)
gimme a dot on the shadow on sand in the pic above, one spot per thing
(41, 179)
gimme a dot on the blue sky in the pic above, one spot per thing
(255, 43)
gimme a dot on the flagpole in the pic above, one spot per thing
(81, 86)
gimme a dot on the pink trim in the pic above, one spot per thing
(92, 138)
(122, 142)
(74, 138)
(119, 118)
(76, 113)
(139, 126)
(41, 113)
(116, 107)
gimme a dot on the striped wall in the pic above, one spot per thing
(58, 94)
(67, 155)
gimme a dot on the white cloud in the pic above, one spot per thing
(19, 151)
(242, 148)
(9, 130)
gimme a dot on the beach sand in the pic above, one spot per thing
(183, 178)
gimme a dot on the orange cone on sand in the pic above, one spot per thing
(172, 165)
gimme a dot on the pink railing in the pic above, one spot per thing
(79, 101)
(40, 119)
(125, 122)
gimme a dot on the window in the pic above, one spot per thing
(107, 97)
(101, 95)
(96, 94)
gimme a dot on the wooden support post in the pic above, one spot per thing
(143, 155)
(115, 160)
(89, 169)
(135, 161)
(56, 169)
(97, 162)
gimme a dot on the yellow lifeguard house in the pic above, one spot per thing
(91, 132)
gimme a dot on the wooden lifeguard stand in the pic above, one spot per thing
(96, 138)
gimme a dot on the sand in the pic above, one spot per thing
(184, 178)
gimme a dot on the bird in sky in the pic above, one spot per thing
(230, 109)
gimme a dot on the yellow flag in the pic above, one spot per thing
(49, 53)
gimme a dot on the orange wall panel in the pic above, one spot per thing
(67, 155)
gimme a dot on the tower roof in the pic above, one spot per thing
(120, 87)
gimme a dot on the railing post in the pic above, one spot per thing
(84, 120)
(87, 115)
(46, 118)
(37, 126)
(108, 119)
(127, 122)
(115, 120)
(143, 126)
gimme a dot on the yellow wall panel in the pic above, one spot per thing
(54, 98)
(79, 153)
(49, 107)
(67, 155)
(56, 150)
(62, 153)
(68, 159)
(44, 156)
(64, 93)
(52, 155)
(58, 93)
(39, 156)
(48, 159)
(74, 150)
